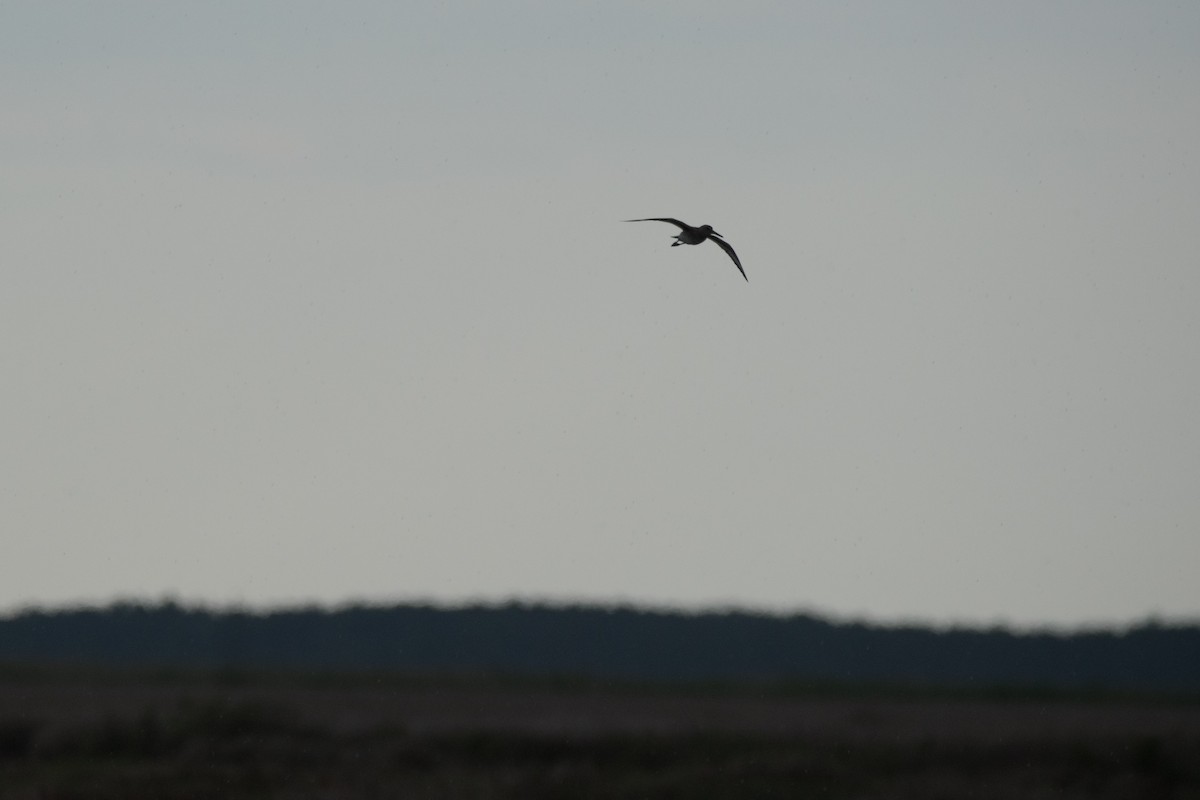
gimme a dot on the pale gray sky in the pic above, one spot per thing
(326, 301)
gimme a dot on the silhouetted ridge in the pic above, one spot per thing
(603, 642)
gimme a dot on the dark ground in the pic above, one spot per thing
(71, 735)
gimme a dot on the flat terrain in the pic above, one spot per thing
(112, 735)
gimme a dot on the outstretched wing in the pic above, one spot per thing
(681, 225)
(724, 245)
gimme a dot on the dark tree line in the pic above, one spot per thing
(603, 642)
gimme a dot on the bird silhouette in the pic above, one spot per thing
(689, 235)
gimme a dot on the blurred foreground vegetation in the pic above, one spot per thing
(75, 734)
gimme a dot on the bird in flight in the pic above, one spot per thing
(689, 235)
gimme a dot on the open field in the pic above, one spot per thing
(77, 735)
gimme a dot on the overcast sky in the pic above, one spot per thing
(333, 301)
